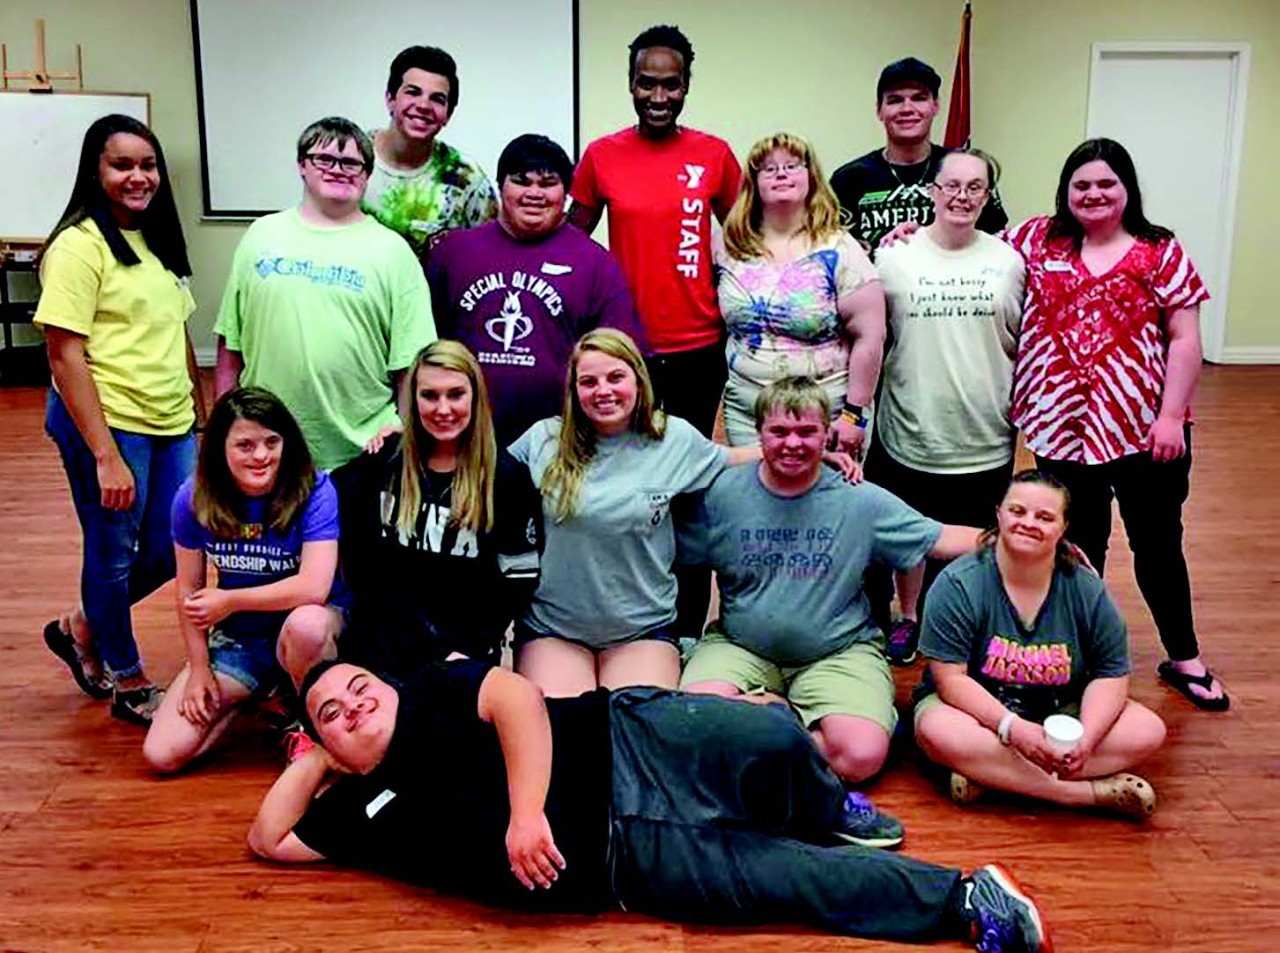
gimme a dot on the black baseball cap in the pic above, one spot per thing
(909, 70)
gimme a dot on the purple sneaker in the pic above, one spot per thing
(904, 642)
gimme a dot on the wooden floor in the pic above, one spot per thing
(96, 854)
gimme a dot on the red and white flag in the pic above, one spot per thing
(958, 113)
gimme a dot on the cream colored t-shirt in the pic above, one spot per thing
(133, 318)
(954, 318)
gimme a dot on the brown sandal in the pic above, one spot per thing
(85, 667)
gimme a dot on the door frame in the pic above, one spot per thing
(1238, 54)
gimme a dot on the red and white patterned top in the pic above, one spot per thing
(1091, 356)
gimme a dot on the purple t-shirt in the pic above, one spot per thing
(521, 307)
(261, 555)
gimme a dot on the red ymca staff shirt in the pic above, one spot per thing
(660, 195)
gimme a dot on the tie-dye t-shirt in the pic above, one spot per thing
(449, 191)
(783, 320)
(1090, 375)
(1034, 670)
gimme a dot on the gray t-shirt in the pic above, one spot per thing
(1037, 670)
(606, 571)
(790, 568)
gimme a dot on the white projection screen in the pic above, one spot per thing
(265, 69)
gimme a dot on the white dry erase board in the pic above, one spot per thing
(266, 69)
(40, 137)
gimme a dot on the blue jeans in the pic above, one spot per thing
(127, 553)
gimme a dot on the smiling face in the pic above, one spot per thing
(792, 445)
(1096, 196)
(782, 176)
(444, 401)
(960, 190)
(532, 204)
(606, 390)
(334, 176)
(658, 88)
(1032, 520)
(907, 113)
(420, 107)
(253, 457)
(130, 176)
(354, 713)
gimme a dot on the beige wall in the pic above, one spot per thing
(807, 66)
(1026, 61)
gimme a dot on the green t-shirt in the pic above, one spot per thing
(322, 317)
(448, 191)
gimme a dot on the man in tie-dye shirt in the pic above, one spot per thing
(421, 186)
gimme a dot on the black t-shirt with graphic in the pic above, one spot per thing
(444, 588)
(435, 811)
(880, 196)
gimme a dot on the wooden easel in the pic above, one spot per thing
(39, 79)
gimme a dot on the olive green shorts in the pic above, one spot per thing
(854, 681)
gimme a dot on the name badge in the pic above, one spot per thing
(378, 803)
(1055, 265)
(549, 268)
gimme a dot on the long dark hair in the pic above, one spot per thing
(161, 229)
(216, 493)
(1065, 555)
(1064, 224)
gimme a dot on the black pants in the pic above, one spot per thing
(961, 499)
(689, 384)
(721, 814)
(1150, 495)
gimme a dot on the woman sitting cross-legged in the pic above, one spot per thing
(1017, 632)
(268, 520)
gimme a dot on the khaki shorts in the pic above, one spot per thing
(854, 681)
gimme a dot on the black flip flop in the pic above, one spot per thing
(1182, 682)
(63, 645)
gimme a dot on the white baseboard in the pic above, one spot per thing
(207, 356)
(1250, 355)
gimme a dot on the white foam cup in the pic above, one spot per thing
(1063, 732)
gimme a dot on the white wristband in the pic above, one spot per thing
(1006, 723)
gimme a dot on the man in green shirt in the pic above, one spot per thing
(324, 306)
(421, 186)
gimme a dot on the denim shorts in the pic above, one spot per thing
(250, 659)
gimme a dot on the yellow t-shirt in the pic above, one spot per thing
(134, 319)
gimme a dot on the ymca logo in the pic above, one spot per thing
(692, 175)
(511, 324)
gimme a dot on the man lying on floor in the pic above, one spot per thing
(688, 807)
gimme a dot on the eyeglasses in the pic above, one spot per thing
(787, 168)
(974, 190)
(327, 162)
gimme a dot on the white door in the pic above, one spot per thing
(1179, 110)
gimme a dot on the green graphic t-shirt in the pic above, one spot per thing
(449, 191)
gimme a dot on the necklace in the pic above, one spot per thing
(893, 169)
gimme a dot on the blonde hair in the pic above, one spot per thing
(576, 445)
(472, 492)
(742, 237)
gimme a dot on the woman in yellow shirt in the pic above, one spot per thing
(114, 307)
